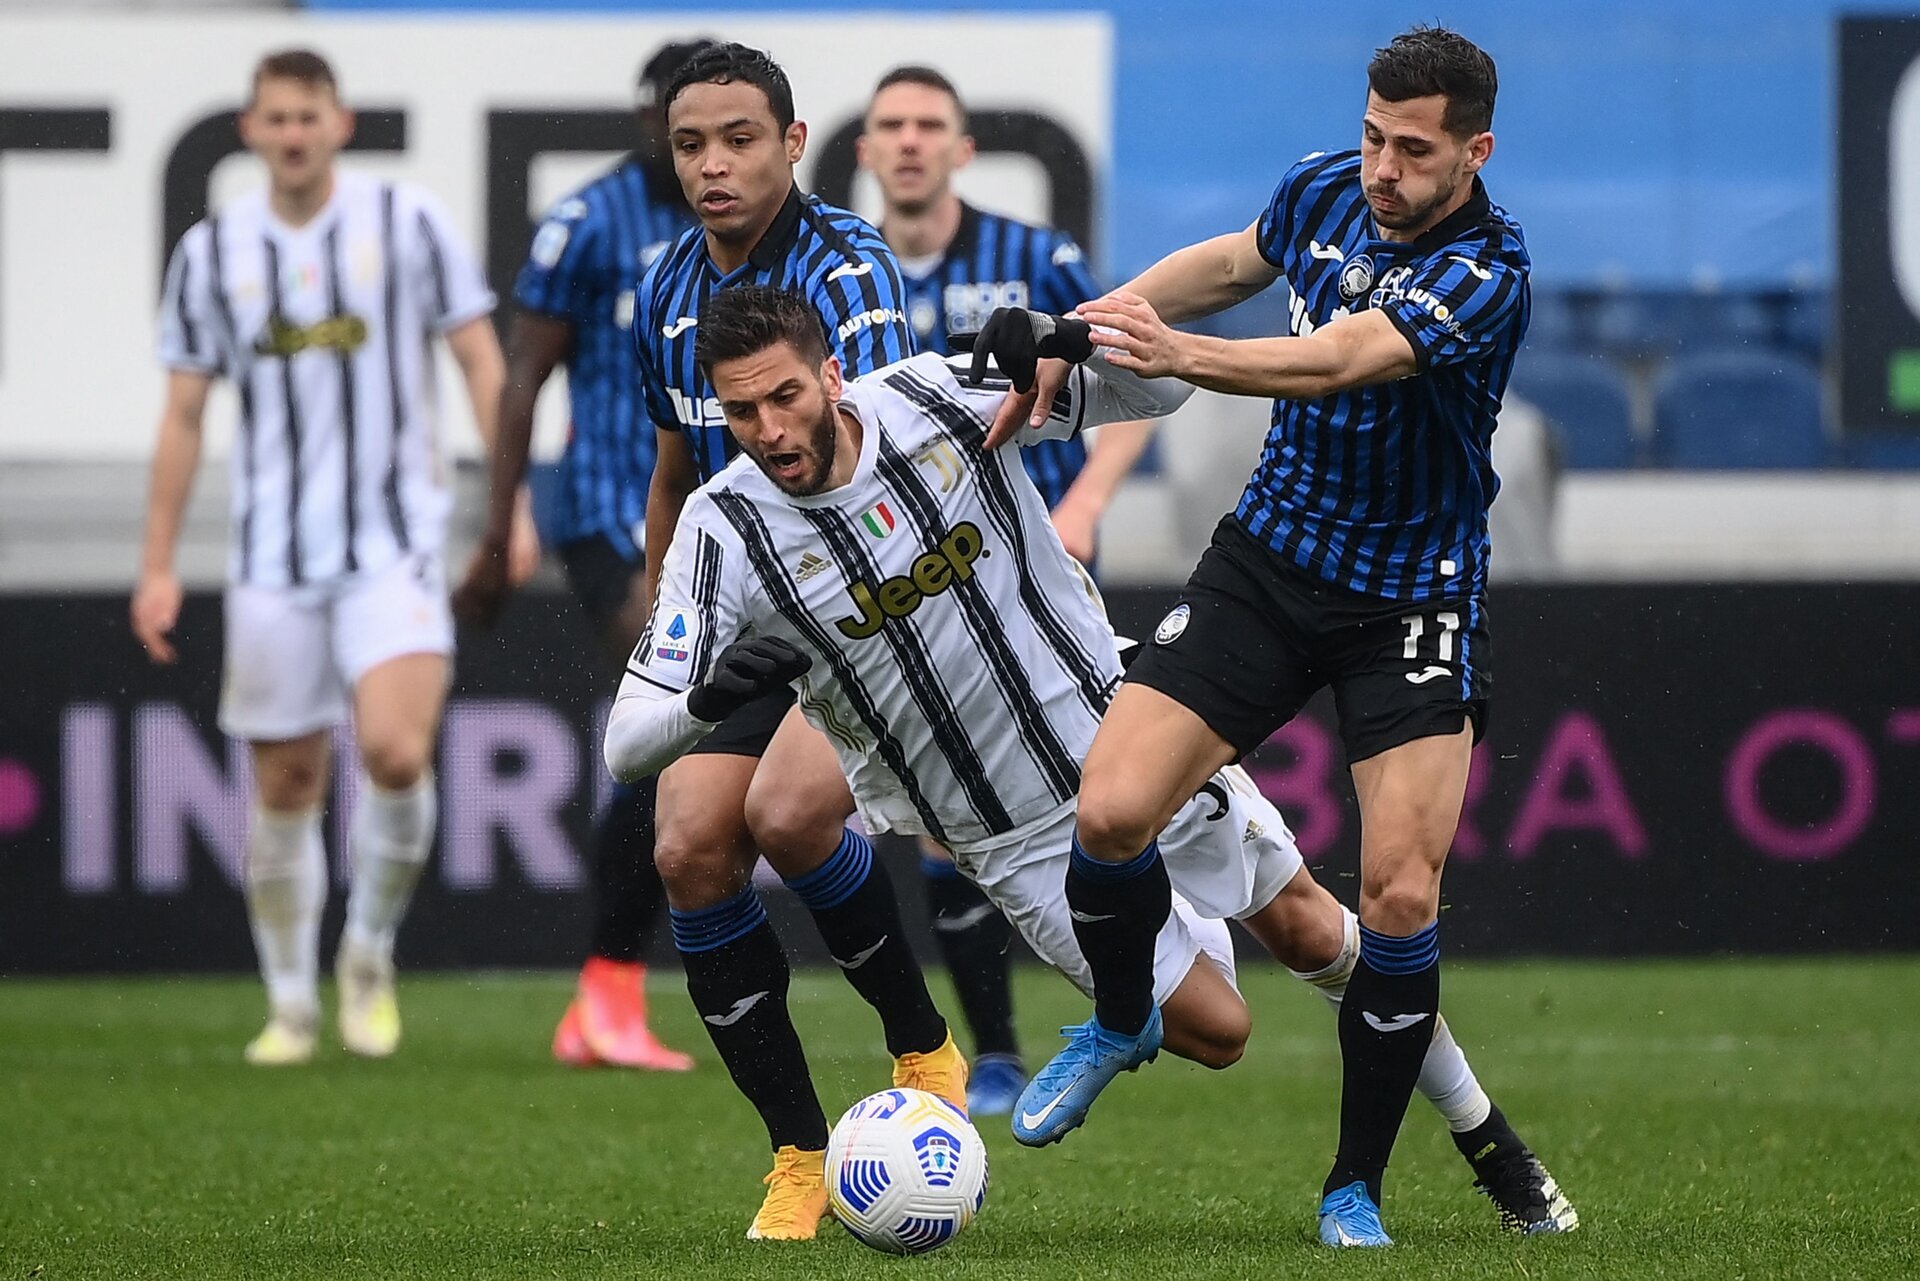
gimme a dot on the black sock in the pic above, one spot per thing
(1488, 1137)
(1386, 1025)
(627, 893)
(973, 939)
(1118, 909)
(737, 976)
(851, 898)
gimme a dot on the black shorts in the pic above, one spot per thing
(1254, 636)
(748, 731)
(602, 579)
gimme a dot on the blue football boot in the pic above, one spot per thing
(1057, 1100)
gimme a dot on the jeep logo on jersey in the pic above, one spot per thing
(694, 412)
(1356, 277)
(933, 573)
(284, 338)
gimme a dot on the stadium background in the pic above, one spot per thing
(1706, 731)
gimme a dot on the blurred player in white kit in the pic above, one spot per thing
(320, 297)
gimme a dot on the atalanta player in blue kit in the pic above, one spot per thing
(575, 298)
(1356, 559)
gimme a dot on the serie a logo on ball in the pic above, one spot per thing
(906, 1171)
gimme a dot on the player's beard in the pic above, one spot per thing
(1414, 215)
(816, 456)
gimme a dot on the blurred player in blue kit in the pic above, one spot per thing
(576, 306)
(960, 263)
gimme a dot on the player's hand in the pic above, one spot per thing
(1135, 337)
(483, 593)
(1017, 340)
(745, 670)
(1078, 525)
(1032, 408)
(155, 610)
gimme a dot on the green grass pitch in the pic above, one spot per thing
(1714, 1119)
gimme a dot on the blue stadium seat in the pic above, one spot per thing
(1662, 322)
(1739, 409)
(1883, 452)
(1805, 320)
(1587, 400)
(1556, 322)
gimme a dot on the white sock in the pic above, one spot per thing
(286, 890)
(1446, 1079)
(392, 833)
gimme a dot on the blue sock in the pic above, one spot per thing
(737, 975)
(1386, 1025)
(1118, 909)
(851, 898)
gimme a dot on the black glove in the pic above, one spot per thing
(1017, 339)
(744, 671)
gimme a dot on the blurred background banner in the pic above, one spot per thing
(1668, 770)
(108, 154)
(1879, 210)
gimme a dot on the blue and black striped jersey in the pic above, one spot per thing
(1384, 490)
(995, 261)
(582, 268)
(833, 257)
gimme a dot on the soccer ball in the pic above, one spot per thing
(906, 1171)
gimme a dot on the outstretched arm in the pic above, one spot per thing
(1351, 351)
(1018, 342)
(650, 727)
(1205, 278)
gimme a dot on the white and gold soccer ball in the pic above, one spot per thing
(906, 1171)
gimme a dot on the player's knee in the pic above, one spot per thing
(395, 762)
(792, 822)
(1402, 904)
(291, 783)
(694, 869)
(1113, 825)
(1219, 1041)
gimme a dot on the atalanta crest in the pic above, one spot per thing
(1356, 277)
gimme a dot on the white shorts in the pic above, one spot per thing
(1227, 851)
(294, 654)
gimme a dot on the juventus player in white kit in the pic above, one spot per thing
(320, 297)
(865, 547)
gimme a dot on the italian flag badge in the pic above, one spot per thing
(878, 520)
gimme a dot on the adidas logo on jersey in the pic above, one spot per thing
(933, 573)
(811, 566)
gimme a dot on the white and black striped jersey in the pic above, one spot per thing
(961, 658)
(326, 332)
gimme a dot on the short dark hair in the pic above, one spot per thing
(751, 318)
(914, 74)
(650, 86)
(729, 63)
(1433, 60)
(303, 65)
